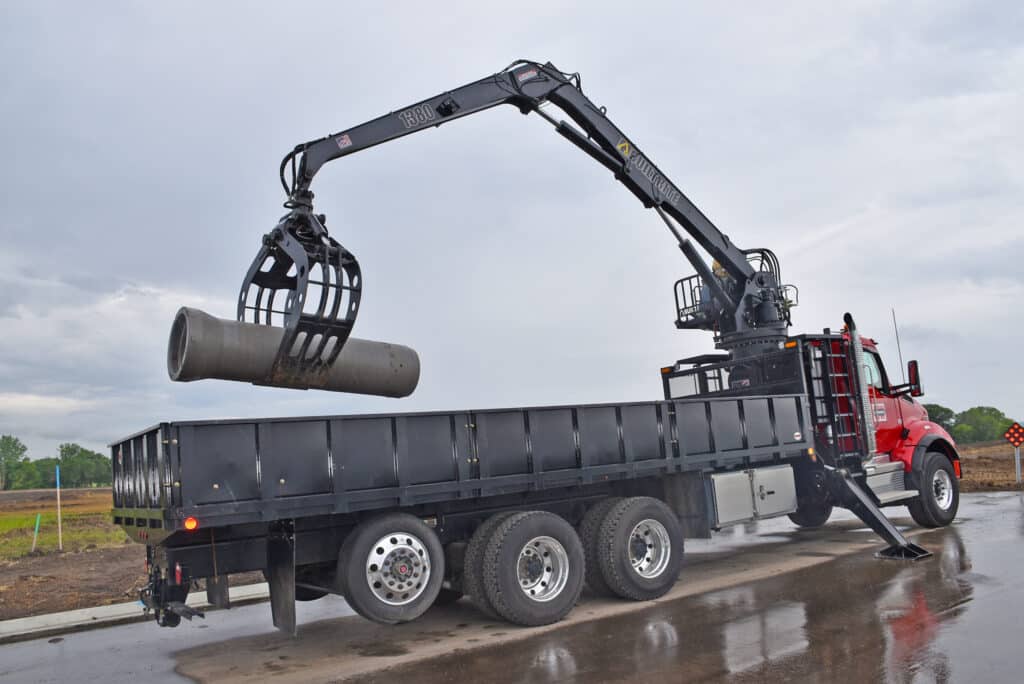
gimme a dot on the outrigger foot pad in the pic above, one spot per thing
(907, 551)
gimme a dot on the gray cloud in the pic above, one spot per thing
(875, 147)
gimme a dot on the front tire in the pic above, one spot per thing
(391, 568)
(938, 496)
(533, 568)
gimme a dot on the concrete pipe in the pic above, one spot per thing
(202, 346)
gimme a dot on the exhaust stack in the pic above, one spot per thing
(202, 346)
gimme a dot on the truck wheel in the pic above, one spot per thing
(640, 548)
(939, 492)
(392, 567)
(473, 564)
(811, 515)
(589, 530)
(533, 568)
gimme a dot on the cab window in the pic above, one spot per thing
(875, 372)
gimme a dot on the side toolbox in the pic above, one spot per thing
(752, 494)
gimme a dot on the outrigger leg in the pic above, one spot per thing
(846, 490)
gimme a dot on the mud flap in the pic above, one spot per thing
(217, 591)
(846, 490)
(281, 578)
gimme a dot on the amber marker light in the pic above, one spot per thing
(191, 524)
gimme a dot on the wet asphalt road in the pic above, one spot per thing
(954, 618)
(951, 618)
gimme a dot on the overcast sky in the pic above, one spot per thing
(876, 147)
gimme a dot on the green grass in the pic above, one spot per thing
(80, 530)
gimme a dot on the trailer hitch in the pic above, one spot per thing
(320, 284)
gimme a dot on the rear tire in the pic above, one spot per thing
(938, 492)
(640, 548)
(391, 568)
(533, 568)
(811, 516)
(473, 564)
(589, 531)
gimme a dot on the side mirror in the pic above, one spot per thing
(914, 375)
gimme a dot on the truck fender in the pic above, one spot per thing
(933, 442)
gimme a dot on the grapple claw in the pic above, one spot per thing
(320, 284)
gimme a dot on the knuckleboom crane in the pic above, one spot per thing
(742, 300)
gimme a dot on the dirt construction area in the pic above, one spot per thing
(99, 567)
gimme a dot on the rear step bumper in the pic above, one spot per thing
(850, 495)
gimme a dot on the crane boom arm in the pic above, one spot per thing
(745, 306)
(528, 85)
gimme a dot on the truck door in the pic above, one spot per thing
(885, 408)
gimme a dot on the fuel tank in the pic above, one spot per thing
(202, 346)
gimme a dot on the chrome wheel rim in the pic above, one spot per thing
(942, 489)
(649, 548)
(542, 569)
(398, 568)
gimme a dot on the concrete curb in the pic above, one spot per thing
(23, 629)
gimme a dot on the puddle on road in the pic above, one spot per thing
(856, 618)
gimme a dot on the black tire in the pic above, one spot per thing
(937, 476)
(473, 564)
(811, 515)
(557, 554)
(446, 597)
(400, 595)
(617, 543)
(589, 530)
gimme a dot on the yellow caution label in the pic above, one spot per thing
(624, 148)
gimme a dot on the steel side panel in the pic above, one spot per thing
(760, 431)
(425, 449)
(693, 429)
(787, 420)
(553, 439)
(221, 464)
(294, 459)
(501, 443)
(726, 425)
(599, 436)
(641, 434)
(364, 454)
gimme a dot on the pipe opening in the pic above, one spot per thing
(177, 344)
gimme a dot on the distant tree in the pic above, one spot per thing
(980, 424)
(12, 451)
(26, 474)
(80, 467)
(945, 417)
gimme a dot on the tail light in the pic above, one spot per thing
(177, 573)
